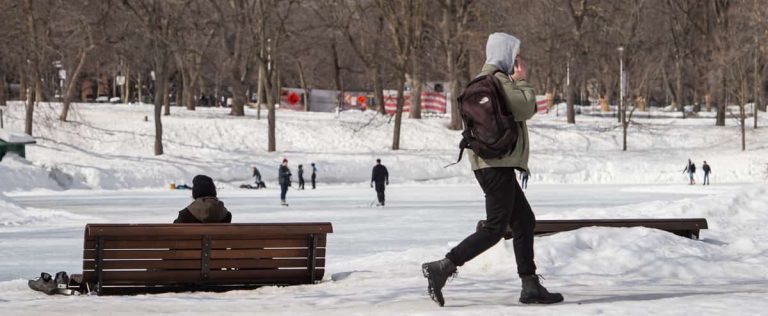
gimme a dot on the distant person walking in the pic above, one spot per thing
(505, 202)
(379, 178)
(284, 178)
(301, 177)
(707, 171)
(691, 170)
(524, 179)
(314, 175)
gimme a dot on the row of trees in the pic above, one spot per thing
(707, 53)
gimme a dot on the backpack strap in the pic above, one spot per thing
(462, 145)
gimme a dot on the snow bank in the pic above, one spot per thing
(733, 249)
(18, 174)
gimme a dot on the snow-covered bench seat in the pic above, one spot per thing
(686, 227)
(149, 258)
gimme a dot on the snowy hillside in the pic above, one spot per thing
(110, 147)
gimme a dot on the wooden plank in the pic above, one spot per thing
(182, 277)
(144, 264)
(261, 243)
(271, 230)
(263, 253)
(144, 254)
(147, 244)
(262, 263)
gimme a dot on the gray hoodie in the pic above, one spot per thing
(501, 51)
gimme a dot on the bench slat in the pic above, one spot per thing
(195, 243)
(191, 276)
(144, 264)
(195, 254)
(251, 230)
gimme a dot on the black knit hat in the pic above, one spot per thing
(202, 186)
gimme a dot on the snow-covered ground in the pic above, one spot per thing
(104, 161)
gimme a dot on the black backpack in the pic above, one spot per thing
(490, 129)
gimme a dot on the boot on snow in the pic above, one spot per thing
(437, 273)
(534, 293)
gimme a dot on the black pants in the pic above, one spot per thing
(505, 204)
(301, 183)
(380, 191)
(283, 191)
(313, 180)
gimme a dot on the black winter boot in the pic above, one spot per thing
(437, 273)
(534, 293)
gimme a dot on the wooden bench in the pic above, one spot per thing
(150, 258)
(686, 227)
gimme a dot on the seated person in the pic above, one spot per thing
(206, 208)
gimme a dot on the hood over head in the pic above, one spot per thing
(208, 210)
(501, 51)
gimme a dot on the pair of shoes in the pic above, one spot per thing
(50, 285)
(437, 273)
(534, 293)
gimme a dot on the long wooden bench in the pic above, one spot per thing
(686, 227)
(149, 258)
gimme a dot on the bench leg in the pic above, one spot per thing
(311, 258)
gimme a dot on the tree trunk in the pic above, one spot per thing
(337, 76)
(71, 83)
(23, 86)
(3, 88)
(720, 118)
(160, 98)
(261, 90)
(165, 96)
(138, 88)
(756, 84)
(127, 85)
(271, 123)
(415, 110)
(28, 118)
(238, 99)
(398, 111)
(378, 89)
(679, 86)
(303, 86)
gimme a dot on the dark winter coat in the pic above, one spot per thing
(204, 210)
(301, 173)
(380, 174)
(284, 175)
(706, 168)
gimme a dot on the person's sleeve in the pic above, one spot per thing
(185, 217)
(373, 174)
(228, 218)
(520, 97)
(386, 175)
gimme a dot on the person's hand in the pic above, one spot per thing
(387, 182)
(520, 72)
(371, 184)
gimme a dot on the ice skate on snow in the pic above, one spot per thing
(283, 203)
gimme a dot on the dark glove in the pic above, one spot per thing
(371, 184)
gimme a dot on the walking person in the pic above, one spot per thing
(284, 178)
(314, 175)
(524, 179)
(505, 202)
(379, 178)
(691, 170)
(301, 177)
(707, 171)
